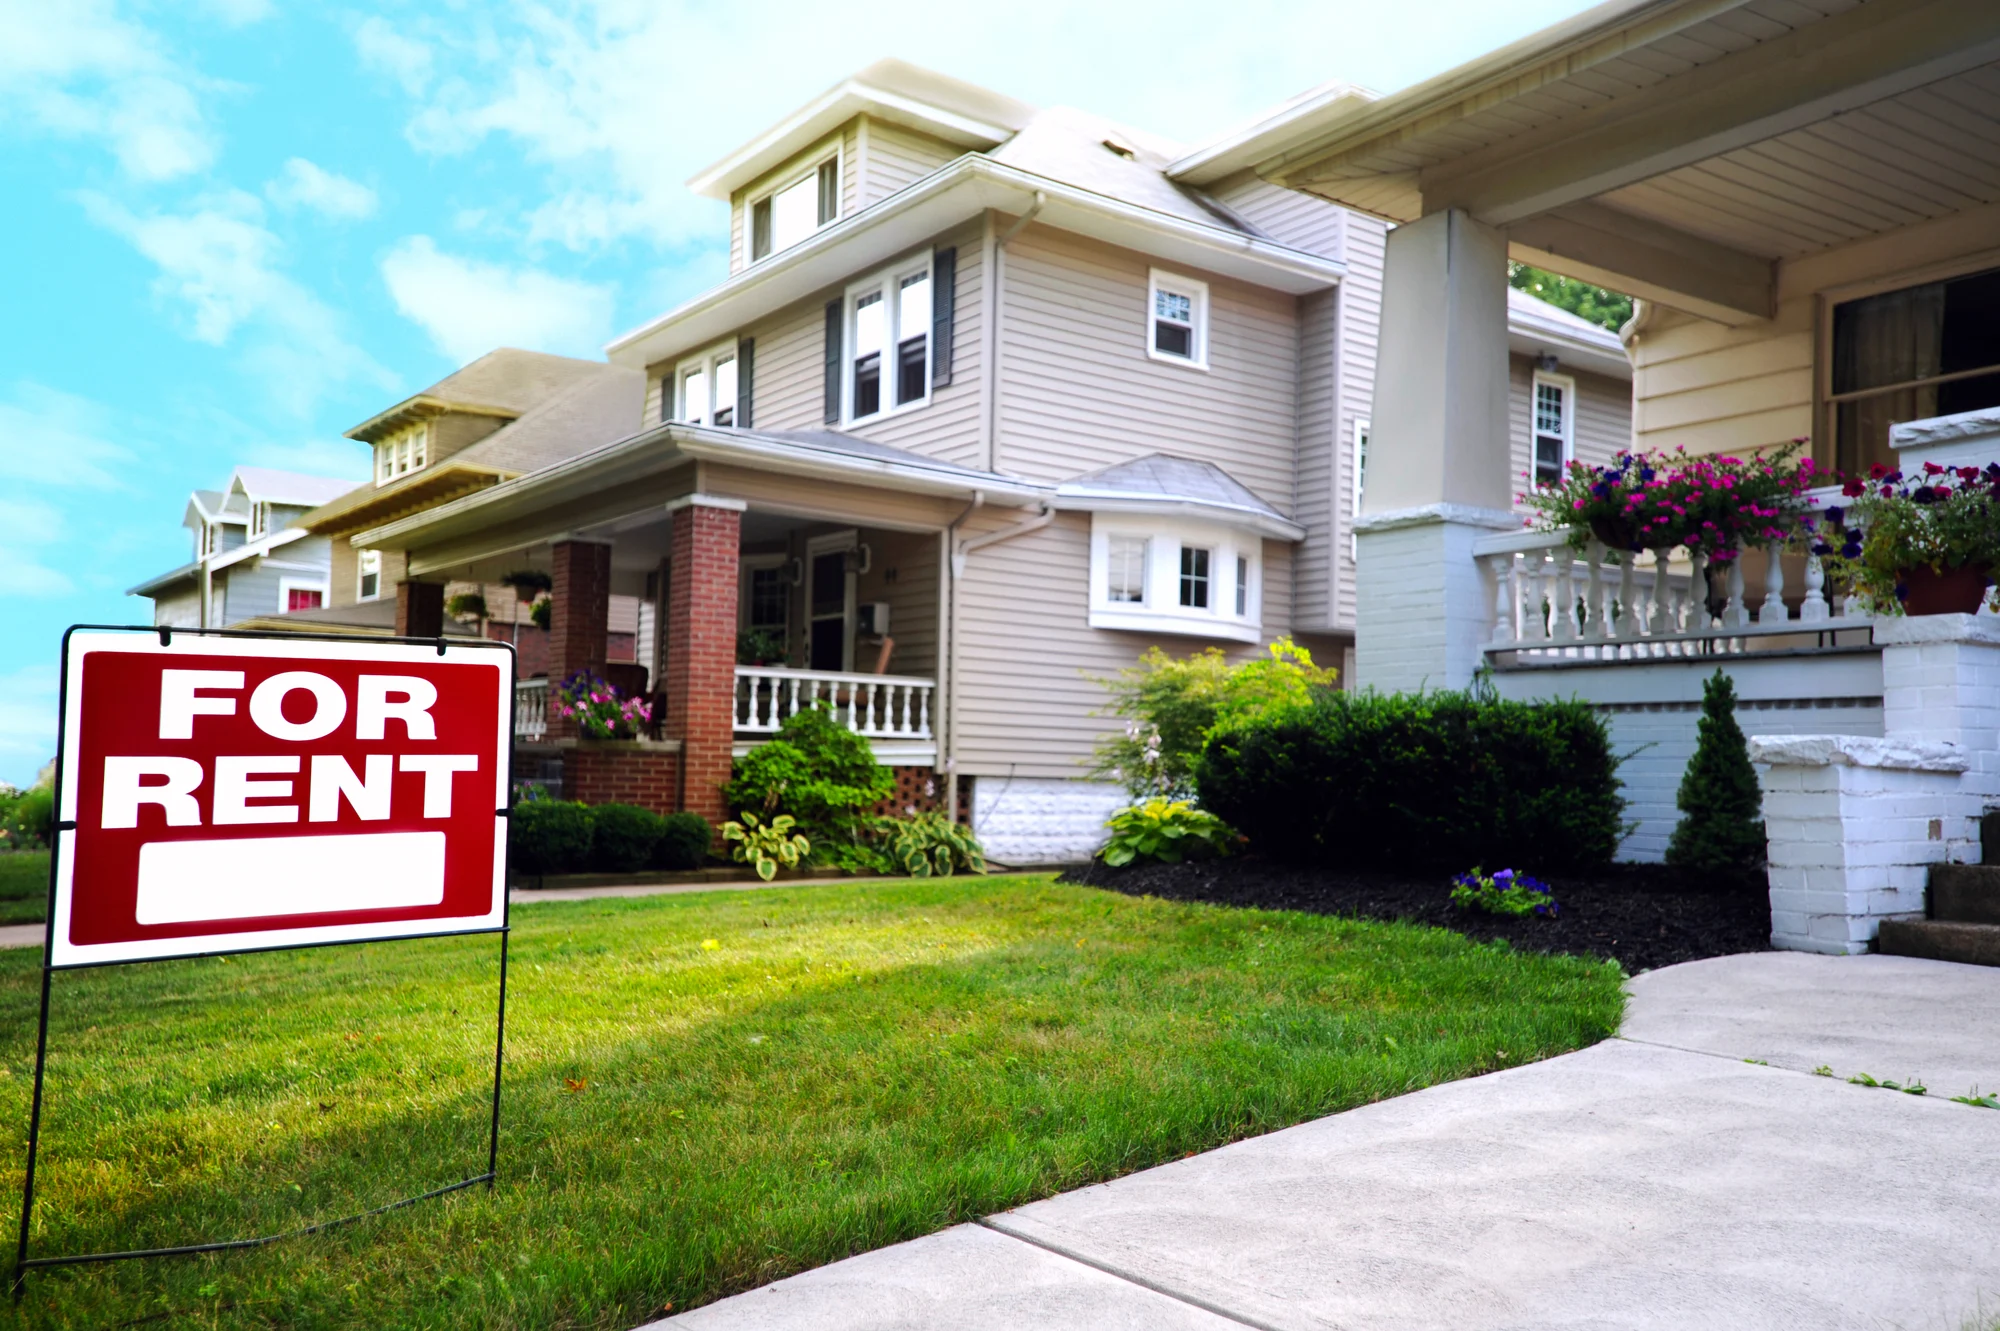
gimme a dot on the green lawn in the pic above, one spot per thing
(705, 1092)
(24, 886)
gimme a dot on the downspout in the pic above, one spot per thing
(948, 658)
(992, 372)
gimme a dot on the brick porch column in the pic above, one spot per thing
(700, 636)
(579, 610)
(419, 609)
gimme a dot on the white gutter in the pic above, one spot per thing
(960, 189)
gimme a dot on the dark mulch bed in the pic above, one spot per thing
(1644, 915)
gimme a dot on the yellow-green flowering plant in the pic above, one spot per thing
(766, 846)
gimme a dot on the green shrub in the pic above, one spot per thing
(27, 818)
(1171, 706)
(1165, 830)
(1420, 781)
(818, 771)
(549, 836)
(623, 837)
(924, 844)
(684, 841)
(766, 846)
(1721, 829)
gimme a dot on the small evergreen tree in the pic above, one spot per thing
(1722, 827)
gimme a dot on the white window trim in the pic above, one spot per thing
(1194, 287)
(1568, 386)
(886, 281)
(286, 586)
(404, 440)
(834, 149)
(705, 362)
(840, 542)
(1161, 612)
(1358, 487)
(361, 571)
(260, 519)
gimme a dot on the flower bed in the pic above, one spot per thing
(1642, 915)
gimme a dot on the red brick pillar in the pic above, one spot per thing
(419, 609)
(579, 610)
(701, 646)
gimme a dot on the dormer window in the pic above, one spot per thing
(260, 520)
(401, 453)
(800, 206)
(706, 388)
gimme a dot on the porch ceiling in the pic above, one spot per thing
(1678, 149)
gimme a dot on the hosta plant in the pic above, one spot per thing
(927, 844)
(1507, 892)
(1165, 830)
(766, 847)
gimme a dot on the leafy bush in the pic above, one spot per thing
(683, 842)
(27, 818)
(766, 846)
(550, 836)
(818, 771)
(1167, 831)
(924, 844)
(623, 837)
(1503, 893)
(1171, 707)
(1420, 781)
(1721, 829)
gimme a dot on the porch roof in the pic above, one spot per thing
(1680, 149)
(821, 454)
(1180, 487)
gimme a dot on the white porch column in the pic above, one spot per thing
(1438, 457)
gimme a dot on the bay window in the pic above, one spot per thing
(1174, 575)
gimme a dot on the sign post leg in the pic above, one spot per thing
(499, 1051)
(34, 1140)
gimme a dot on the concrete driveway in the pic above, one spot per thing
(1657, 1180)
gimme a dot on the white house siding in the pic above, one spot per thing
(1603, 417)
(1027, 659)
(1078, 391)
(182, 610)
(1290, 217)
(1319, 460)
(1365, 243)
(896, 157)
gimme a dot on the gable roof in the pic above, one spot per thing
(267, 485)
(1160, 483)
(504, 382)
(893, 90)
(1082, 149)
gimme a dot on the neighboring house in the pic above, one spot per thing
(1806, 199)
(994, 399)
(253, 563)
(505, 414)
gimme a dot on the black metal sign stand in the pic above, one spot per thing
(23, 1263)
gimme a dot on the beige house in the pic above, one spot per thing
(993, 399)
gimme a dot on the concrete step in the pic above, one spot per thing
(1941, 940)
(1965, 893)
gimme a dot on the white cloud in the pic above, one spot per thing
(387, 51)
(52, 438)
(303, 184)
(469, 307)
(220, 263)
(78, 70)
(27, 723)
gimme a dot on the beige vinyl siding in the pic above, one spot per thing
(1318, 456)
(1027, 660)
(1078, 391)
(658, 379)
(832, 501)
(903, 571)
(1365, 241)
(1603, 418)
(181, 610)
(344, 578)
(896, 157)
(1290, 217)
(1714, 389)
(789, 379)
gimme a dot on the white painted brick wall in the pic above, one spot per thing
(1024, 820)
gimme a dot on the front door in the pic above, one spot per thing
(831, 601)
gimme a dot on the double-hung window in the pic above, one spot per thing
(889, 341)
(260, 520)
(1177, 319)
(402, 453)
(1194, 577)
(796, 209)
(368, 575)
(706, 391)
(1554, 410)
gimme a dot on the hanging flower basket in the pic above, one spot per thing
(1956, 591)
(1615, 533)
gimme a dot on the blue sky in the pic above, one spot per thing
(235, 228)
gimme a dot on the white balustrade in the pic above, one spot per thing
(1550, 605)
(875, 706)
(531, 709)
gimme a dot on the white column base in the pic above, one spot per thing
(1423, 608)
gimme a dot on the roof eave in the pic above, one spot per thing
(1082, 499)
(185, 573)
(421, 406)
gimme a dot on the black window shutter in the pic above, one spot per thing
(667, 396)
(944, 296)
(835, 313)
(760, 229)
(746, 364)
(829, 190)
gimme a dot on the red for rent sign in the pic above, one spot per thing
(240, 793)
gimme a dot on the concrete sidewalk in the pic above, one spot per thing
(1658, 1180)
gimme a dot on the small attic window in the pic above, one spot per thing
(1124, 150)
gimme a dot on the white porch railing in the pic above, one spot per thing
(531, 708)
(1551, 602)
(877, 706)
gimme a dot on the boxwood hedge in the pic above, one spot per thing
(1424, 781)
